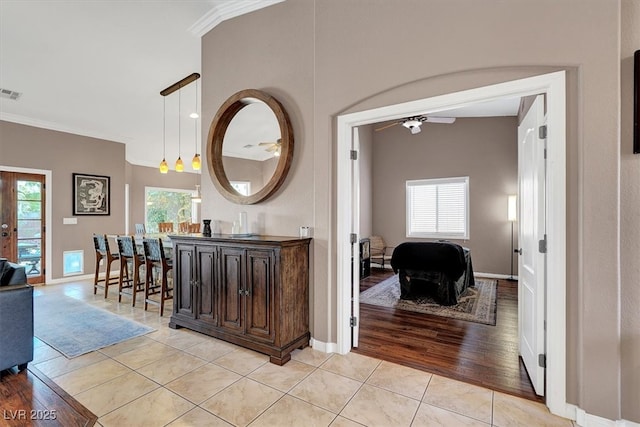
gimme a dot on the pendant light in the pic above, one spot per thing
(196, 163)
(164, 167)
(179, 163)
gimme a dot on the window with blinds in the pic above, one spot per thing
(438, 208)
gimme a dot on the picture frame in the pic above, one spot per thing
(91, 194)
(636, 102)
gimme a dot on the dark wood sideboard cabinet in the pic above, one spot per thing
(251, 291)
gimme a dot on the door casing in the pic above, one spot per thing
(551, 84)
(48, 216)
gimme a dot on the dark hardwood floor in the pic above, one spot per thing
(29, 398)
(471, 352)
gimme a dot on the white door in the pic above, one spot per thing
(531, 262)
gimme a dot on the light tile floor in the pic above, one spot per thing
(183, 378)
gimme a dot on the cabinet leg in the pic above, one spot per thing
(280, 360)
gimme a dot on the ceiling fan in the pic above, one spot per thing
(272, 147)
(413, 123)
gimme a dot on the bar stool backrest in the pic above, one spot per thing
(127, 246)
(101, 243)
(153, 250)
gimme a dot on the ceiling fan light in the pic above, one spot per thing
(179, 165)
(410, 124)
(276, 153)
(196, 163)
(415, 129)
(164, 166)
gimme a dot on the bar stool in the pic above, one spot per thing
(194, 227)
(155, 259)
(183, 227)
(101, 244)
(129, 255)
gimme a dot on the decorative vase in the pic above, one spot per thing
(206, 231)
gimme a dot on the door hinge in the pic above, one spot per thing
(353, 321)
(353, 155)
(542, 360)
(542, 132)
(545, 154)
(353, 237)
(542, 245)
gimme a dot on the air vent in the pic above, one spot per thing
(10, 94)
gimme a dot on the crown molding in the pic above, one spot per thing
(227, 10)
(28, 121)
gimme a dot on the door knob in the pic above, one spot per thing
(518, 251)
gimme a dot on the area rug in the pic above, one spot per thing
(74, 327)
(477, 304)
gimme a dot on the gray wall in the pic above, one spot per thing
(365, 164)
(322, 59)
(630, 219)
(63, 154)
(484, 149)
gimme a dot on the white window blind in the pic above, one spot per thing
(438, 208)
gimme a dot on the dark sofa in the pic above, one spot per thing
(443, 267)
(16, 317)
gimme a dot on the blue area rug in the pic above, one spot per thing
(74, 327)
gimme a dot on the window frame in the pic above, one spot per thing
(169, 190)
(437, 234)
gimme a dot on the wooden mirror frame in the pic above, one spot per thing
(217, 130)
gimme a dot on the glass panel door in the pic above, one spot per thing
(23, 226)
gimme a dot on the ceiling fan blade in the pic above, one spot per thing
(274, 147)
(447, 120)
(267, 143)
(387, 126)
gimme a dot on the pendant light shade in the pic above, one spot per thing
(196, 164)
(179, 165)
(164, 166)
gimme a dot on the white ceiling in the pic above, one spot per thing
(96, 68)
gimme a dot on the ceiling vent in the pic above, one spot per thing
(10, 94)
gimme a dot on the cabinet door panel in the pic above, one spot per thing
(184, 273)
(260, 300)
(230, 287)
(207, 303)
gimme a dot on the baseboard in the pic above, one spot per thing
(324, 347)
(495, 276)
(584, 419)
(75, 278)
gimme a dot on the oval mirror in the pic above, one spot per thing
(249, 147)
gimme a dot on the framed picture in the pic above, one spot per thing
(636, 103)
(91, 194)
